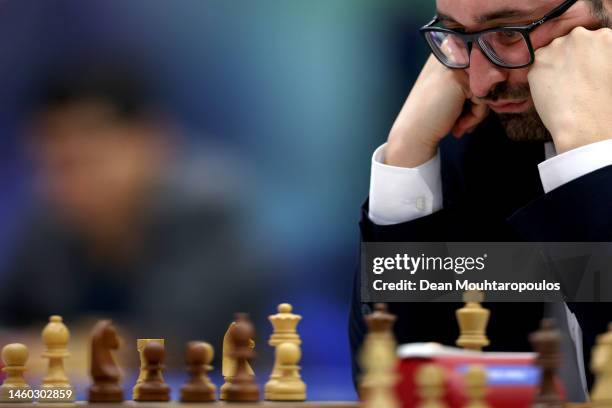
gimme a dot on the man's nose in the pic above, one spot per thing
(483, 74)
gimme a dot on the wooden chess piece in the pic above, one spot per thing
(430, 381)
(473, 320)
(601, 366)
(140, 345)
(475, 380)
(379, 361)
(198, 357)
(284, 325)
(546, 343)
(289, 385)
(152, 387)
(243, 387)
(55, 336)
(380, 330)
(14, 388)
(104, 371)
(228, 362)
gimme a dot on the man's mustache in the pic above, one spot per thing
(504, 91)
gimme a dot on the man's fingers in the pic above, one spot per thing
(470, 120)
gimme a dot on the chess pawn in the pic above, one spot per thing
(198, 356)
(289, 385)
(104, 370)
(601, 366)
(55, 337)
(546, 343)
(228, 362)
(140, 345)
(14, 356)
(152, 387)
(243, 387)
(473, 320)
(284, 325)
(475, 379)
(430, 382)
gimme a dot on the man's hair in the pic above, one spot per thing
(122, 88)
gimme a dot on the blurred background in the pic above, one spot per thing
(166, 164)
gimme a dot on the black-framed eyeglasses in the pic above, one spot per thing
(506, 47)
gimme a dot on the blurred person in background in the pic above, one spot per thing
(122, 229)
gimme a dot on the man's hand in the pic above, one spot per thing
(571, 86)
(440, 102)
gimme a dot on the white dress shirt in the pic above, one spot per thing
(399, 194)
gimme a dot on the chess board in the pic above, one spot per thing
(174, 404)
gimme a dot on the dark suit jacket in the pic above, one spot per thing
(492, 192)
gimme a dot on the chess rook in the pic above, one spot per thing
(104, 371)
(14, 357)
(284, 325)
(198, 357)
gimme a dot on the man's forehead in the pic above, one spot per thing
(474, 12)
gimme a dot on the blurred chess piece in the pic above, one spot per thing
(55, 337)
(380, 330)
(14, 357)
(288, 385)
(284, 325)
(546, 343)
(228, 363)
(430, 382)
(473, 320)
(104, 370)
(243, 387)
(475, 381)
(140, 345)
(152, 387)
(601, 366)
(378, 361)
(198, 357)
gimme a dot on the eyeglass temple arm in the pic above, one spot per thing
(555, 13)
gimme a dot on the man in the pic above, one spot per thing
(123, 228)
(530, 109)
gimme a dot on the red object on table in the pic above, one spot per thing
(512, 377)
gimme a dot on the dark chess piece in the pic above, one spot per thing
(546, 342)
(243, 387)
(198, 357)
(153, 387)
(104, 371)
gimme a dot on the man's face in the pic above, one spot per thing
(90, 165)
(506, 91)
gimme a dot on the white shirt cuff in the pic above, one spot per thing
(400, 194)
(575, 163)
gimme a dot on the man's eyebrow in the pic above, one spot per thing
(492, 16)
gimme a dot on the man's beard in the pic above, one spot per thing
(527, 126)
(520, 127)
